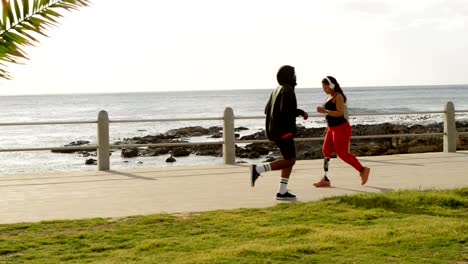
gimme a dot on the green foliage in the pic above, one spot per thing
(21, 19)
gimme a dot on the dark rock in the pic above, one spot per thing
(256, 148)
(86, 153)
(148, 139)
(237, 129)
(462, 141)
(309, 150)
(311, 132)
(363, 147)
(215, 129)
(217, 135)
(189, 131)
(304, 150)
(77, 143)
(422, 149)
(91, 162)
(129, 153)
(180, 152)
(253, 155)
(257, 135)
(72, 144)
(154, 151)
(208, 150)
(171, 159)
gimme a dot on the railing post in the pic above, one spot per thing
(229, 146)
(103, 141)
(450, 130)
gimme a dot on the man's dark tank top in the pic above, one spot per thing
(332, 120)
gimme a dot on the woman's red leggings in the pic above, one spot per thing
(337, 140)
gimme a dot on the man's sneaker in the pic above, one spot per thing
(253, 174)
(364, 175)
(285, 196)
(322, 183)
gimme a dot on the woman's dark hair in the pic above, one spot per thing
(337, 87)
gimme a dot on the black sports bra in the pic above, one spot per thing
(332, 120)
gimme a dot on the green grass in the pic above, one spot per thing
(393, 227)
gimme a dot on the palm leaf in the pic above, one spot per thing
(10, 15)
(25, 8)
(20, 20)
(4, 14)
(17, 8)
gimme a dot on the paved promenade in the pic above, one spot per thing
(179, 189)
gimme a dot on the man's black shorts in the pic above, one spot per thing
(287, 147)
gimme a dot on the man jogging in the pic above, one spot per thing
(281, 112)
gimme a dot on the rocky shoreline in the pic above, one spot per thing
(305, 150)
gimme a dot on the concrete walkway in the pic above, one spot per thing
(179, 189)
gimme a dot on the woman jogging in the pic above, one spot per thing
(338, 134)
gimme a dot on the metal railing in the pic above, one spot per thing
(103, 145)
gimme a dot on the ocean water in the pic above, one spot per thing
(188, 104)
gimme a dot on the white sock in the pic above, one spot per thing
(283, 185)
(263, 168)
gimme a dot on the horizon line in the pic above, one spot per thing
(221, 90)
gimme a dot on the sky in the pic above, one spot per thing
(151, 45)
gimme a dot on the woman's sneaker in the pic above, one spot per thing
(285, 196)
(322, 183)
(364, 175)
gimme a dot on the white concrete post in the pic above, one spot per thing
(450, 130)
(229, 146)
(103, 141)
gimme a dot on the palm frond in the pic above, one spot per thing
(21, 19)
